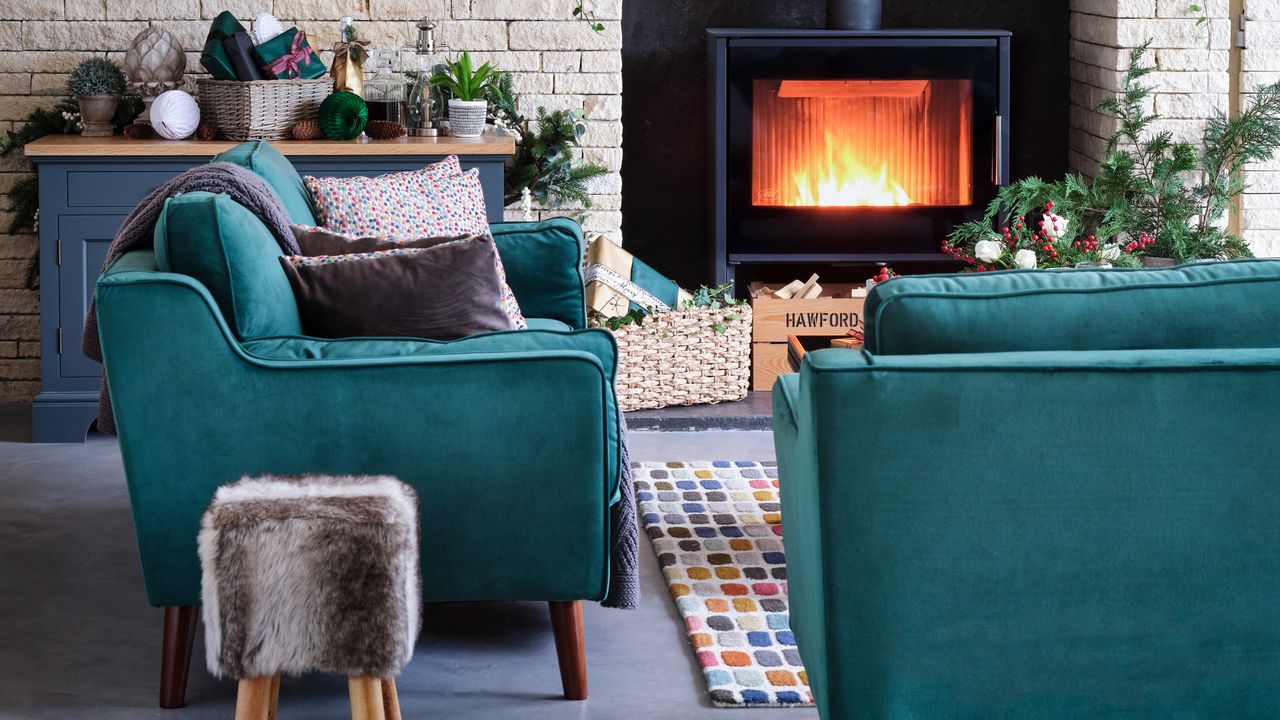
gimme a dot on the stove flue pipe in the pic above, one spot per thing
(853, 14)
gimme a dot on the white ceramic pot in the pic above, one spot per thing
(466, 117)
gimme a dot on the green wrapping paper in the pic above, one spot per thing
(288, 56)
(214, 57)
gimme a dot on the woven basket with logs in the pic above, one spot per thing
(685, 357)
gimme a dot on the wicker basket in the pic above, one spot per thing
(260, 109)
(679, 358)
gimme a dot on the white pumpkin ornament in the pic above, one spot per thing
(265, 27)
(175, 115)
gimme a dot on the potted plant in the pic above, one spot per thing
(469, 90)
(97, 84)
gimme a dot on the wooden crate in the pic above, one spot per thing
(838, 311)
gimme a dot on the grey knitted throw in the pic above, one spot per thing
(240, 184)
(624, 579)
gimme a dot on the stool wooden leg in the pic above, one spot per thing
(275, 697)
(366, 698)
(390, 700)
(253, 699)
(571, 651)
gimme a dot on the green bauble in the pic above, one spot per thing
(343, 115)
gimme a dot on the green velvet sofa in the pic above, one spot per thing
(1041, 495)
(510, 438)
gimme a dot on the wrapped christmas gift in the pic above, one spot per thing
(214, 58)
(348, 66)
(288, 56)
(239, 49)
(617, 282)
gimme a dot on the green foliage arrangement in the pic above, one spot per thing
(546, 159)
(462, 81)
(96, 76)
(1152, 195)
(706, 296)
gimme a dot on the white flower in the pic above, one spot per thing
(1055, 225)
(1025, 259)
(988, 250)
(1110, 252)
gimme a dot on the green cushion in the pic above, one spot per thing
(227, 248)
(1206, 305)
(543, 261)
(260, 157)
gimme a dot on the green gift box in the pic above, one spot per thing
(287, 56)
(214, 58)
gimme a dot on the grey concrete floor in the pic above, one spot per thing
(79, 642)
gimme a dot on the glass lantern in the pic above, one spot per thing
(425, 103)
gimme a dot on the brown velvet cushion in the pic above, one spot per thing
(449, 290)
(323, 241)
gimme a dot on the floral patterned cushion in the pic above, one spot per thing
(433, 202)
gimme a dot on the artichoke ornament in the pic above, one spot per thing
(154, 62)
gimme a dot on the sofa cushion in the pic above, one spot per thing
(1206, 305)
(449, 290)
(547, 324)
(227, 248)
(260, 157)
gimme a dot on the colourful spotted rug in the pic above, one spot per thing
(717, 530)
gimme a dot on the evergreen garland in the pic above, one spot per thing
(1152, 195)
(546, 160)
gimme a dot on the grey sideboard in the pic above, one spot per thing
(89, 185)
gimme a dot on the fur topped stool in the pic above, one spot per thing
(314, 573)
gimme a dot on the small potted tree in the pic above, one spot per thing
(469, 89)
(97, 84)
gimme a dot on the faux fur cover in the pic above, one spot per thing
(314, 573)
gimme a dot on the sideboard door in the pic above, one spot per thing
(85, 239)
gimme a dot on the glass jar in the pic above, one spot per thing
(385, 89)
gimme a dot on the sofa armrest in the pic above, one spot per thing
(544, 268)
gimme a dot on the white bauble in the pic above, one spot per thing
(175, 115)
(265, 27)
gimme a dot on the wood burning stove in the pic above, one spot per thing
(841, 147)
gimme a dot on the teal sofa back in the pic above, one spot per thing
(1209, 305)
(273, 167)
(1049, 535)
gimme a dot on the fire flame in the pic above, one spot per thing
(845, 182)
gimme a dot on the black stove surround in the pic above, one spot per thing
(851, 146)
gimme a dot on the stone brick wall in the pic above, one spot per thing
(559, 62)
(1192, 82)
(1260, 63)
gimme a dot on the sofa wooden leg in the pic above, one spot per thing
(274, 707)
(175, 654)
(571, 650)
(253, 698)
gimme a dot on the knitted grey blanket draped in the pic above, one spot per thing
(240, 184)
(624, 579)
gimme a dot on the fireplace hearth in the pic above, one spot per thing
(844, 148)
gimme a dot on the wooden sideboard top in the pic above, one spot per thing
(120, 146)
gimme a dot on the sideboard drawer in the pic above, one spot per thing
(112, 189)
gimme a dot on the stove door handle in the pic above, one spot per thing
(997, 170)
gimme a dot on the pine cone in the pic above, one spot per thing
(138, 131)
(306, 130)
(383, 130)
(206, 132)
